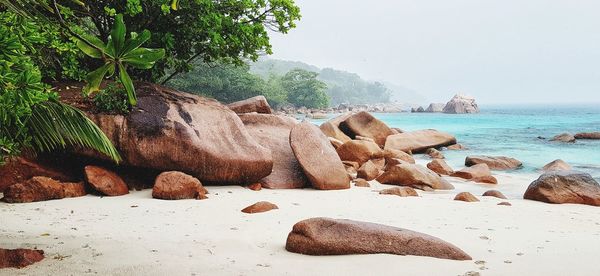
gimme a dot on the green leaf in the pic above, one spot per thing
(136, 41)
(94, 79)
(88, 50)
(141, 55)
(117, 34)
(174, 4)
(128, 84)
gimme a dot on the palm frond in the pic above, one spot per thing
(55, 125)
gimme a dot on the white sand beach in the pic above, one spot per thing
(135, 234)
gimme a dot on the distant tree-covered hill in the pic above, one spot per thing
(342, 86)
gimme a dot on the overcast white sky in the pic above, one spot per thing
(500, 51)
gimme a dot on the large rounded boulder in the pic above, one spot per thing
(332, 129)
(365, 125)
(318, 158)
(177, 185)
(256, 104)
(359, 151)
(273, 132)
(416, 176)
(171, 130)
(565, 187)
(419, 141)
(326, 236)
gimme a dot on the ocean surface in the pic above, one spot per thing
(513, 131)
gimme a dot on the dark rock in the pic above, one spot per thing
(19, 258)
(565, 187)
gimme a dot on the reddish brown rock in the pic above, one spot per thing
(466, 196)
(494, 193)
(104, 181)
(439, 166)
(565, 187)
(19, 258)
(379, 163)
(494, 162)
(318, 158)
(359, 182)
(419, 141)
(21, 169)
(368, 171)
(564, 137)
(332, 129)
(170, 130)
(273, 132)
(335, 142)
(325, 236)
(434, 154)
(41, 188)
(352, 164)
(415, 176)
(256, 104)
(557, 165)
(177, 185)
(260, 207)
(504, 203)
(456, 147)
(254, 187)
(399, 191)
(398, 154)
(365, 125)
(361, 138)
(359, 151)
(478, 173)
(588, 135)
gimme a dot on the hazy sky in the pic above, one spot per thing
(504, 51)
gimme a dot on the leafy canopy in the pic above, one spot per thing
(304, 89)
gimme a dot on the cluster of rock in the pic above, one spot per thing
(459, 104)
(321, 113)
(570, 138)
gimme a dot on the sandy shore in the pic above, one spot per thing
(138, 235)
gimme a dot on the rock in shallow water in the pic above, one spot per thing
(588, 135)
(557, 165)
(19, 258)
(440, 166)
(326, 236)
(494, 162)
(419, 141)
(565, 187)
(460, 104)
(564, 137)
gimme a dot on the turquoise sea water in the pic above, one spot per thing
(513, 131)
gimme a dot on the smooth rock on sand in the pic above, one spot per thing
(399, 191)
(177, 185)
(359, 151)
(256, 104)
(368, 171)
(460, 104)
(494, 162)
(260, 207)
(494, 193)
(364, 124)
(359, 182)
(104, 181)
(41, 188)
(565, 187)
(419, 141)
(273, 132)
(557, 165)
(440, 166)
(170, 130)
(326, 236)
(317, 157)
(564, 137)
(466, 197)
(398, 154)
(478, 173)
(19, 258)
(588, 135)
(415, 176)
(332, 129)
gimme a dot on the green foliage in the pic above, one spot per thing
(112, 99)
(118, 53)
(304, 89)
(30, 115)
